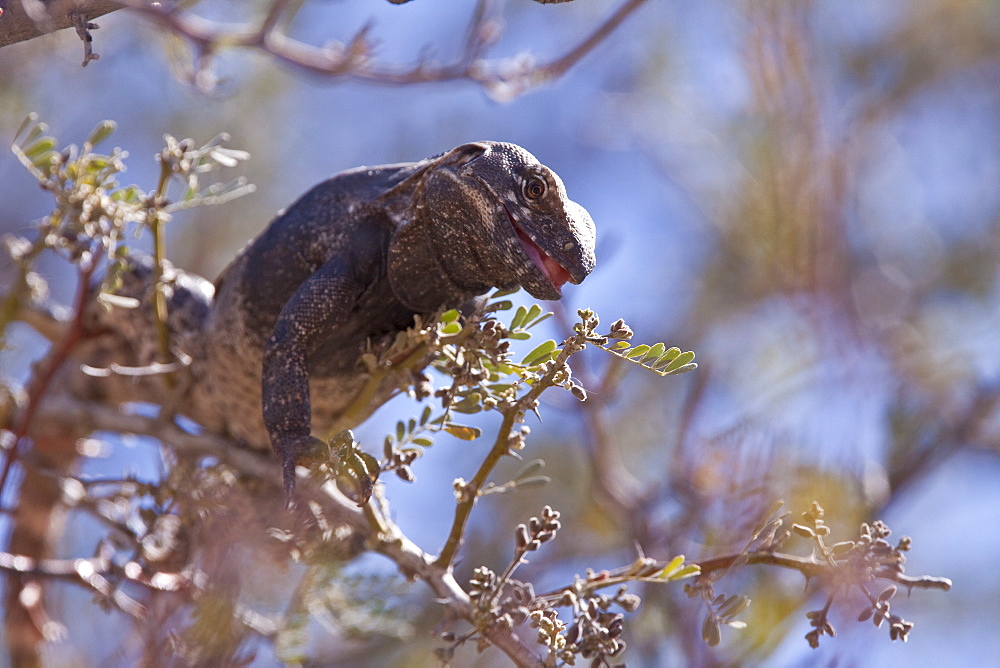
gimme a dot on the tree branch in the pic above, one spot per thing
(811, 568)
(27, 19)
(503, 78)
(409, 558)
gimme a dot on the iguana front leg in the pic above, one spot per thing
(321, 304)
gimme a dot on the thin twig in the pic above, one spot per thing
(354, 60)
(501, 447)
(810, 568)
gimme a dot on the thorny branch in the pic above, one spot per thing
(812, 568)
(503, 78)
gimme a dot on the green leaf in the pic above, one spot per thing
(671, 567)
(666, 358)
(519, 317)
(686, 572)
(637, 353)
(679, 361)
(504, 305)
(541, 353)
(462, 431)
(520, 336)
(654, 352)
(129, 194)
(544, 317)
(39, 147)
(450, 316)
(504, 292)
(451, 328)
(422, 441)
(101, 132)
(425, 415)
(400, 431)
(467, 407)
(533, 312)
(618, 345)
(44, 160)
(683, 369)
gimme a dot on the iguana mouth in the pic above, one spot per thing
(550, 268)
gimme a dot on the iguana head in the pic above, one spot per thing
(493, 216)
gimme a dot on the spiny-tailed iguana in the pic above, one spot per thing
(356, 258)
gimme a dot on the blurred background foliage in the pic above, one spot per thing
(806, 193)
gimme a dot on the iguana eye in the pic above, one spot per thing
(534, 188)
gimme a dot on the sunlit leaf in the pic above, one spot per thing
(101, 132)
(533, 312)
(654, 352)
(672, 566)
(679, 361)
(39, 147)
(686, 572)
(541, 353)
(519, 317)
(44, 160)
(463, 432)
(666, 358)
(637, 353)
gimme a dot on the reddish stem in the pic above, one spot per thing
(56, 360)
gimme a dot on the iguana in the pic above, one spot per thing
(273, 346)
(354, 259)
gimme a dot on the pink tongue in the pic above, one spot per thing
(552, 269)
(555, 272)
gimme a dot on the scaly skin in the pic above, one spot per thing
(356, 258)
